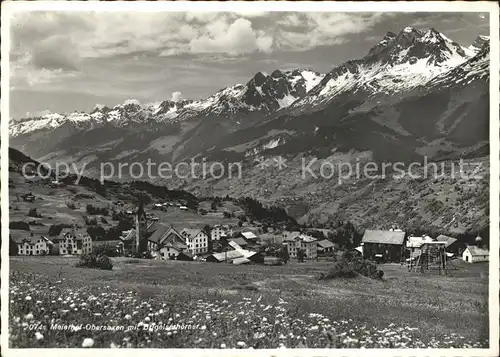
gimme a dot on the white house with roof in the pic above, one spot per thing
(302, 241)
(31, 244)
(196, 240)
(325, 246)
(475, 254)
(220, 231)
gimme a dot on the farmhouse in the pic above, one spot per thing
(30, 244)
(475, 254)
(325, 246)
(74, 241)
(302, 241)
(196, 240)
(383, 245)
(453, 245)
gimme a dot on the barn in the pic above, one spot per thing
(385, 246)
(475, 254)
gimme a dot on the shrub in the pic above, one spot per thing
(34, 213)
(71, 205)
(93, 210)
(19, 225)
(94, 261)
(90, 221)
(104, 262)
(350, 266)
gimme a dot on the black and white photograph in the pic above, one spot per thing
(267, 176)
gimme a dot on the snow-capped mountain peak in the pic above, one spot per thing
(479, 43)
(262, 93)
(398, 63)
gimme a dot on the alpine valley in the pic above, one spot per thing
(416, 95)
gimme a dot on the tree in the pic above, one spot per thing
(206, 230)
(34, 213)
(240, 223)
(19, 225)
(213, 206)
(301, 255)
(283, 254)
(12, 246)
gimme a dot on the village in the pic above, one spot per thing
(243, 243)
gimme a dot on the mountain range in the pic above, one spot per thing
(415, 94)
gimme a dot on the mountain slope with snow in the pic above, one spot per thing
(263, 93)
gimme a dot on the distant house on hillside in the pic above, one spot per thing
(325, 246)
(196, 240)
(302, 241)
(382, 245)
(475, 254)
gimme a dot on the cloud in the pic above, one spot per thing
(237, 38)
(304, 31)
(176, 96)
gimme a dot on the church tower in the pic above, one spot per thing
(141, 226)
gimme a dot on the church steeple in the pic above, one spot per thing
(141, 228)
(140, 210)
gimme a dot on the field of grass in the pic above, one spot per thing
(230, 306)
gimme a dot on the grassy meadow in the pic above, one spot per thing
(150, 303)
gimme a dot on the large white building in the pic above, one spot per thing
(196, 240)
(74, 241)
(302, 241)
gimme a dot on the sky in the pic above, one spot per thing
(71, 61)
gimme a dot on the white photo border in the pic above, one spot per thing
(10, 7)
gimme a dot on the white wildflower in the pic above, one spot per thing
(88, 342)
